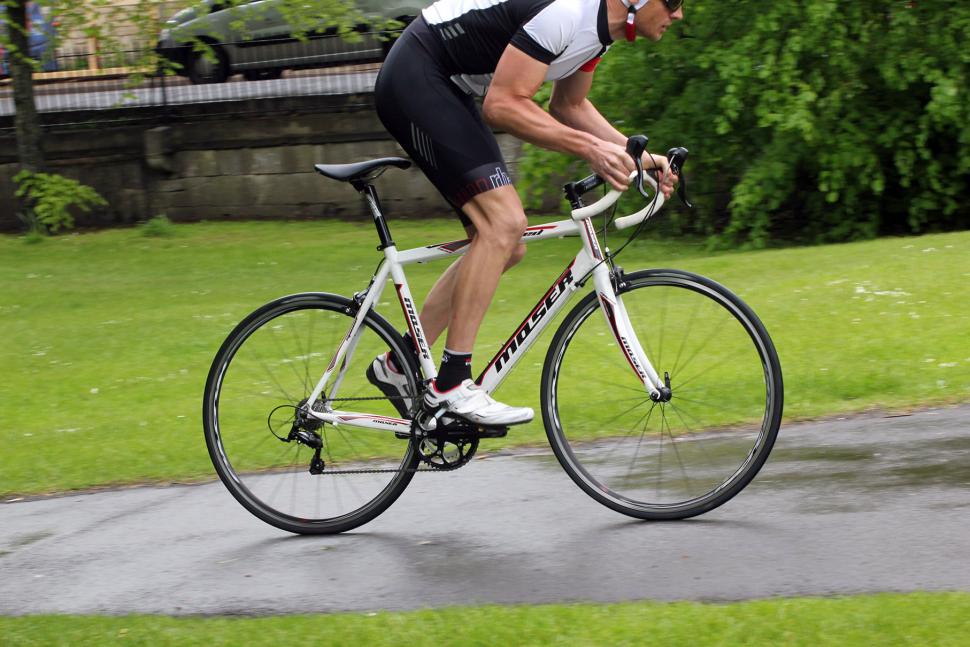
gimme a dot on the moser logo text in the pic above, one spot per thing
(415, 327)
(530, 324)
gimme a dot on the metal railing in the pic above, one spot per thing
(81, 81)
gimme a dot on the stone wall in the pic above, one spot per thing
(251, 160)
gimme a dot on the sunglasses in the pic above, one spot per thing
(673, 5)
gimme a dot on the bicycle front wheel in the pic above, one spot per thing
(664, 460)
(263, 445)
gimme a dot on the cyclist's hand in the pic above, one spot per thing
(661, 168)
(612, 163)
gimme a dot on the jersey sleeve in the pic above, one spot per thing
(590, 65)
(547, 34)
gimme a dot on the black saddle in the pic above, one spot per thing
(360, 172)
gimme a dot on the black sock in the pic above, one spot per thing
(455, 368)
(409, 344)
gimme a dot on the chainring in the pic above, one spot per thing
(446, 453)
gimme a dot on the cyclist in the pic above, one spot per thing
(503, 50)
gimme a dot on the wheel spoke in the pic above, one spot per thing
(278, 349)
(677, 458)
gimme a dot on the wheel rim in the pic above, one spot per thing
(270, 369)
(691, 453)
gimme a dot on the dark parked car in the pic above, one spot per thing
(255, 38)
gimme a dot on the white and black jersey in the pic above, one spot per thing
(564, 34)
(424, 91)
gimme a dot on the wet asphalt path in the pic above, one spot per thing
(860, 505)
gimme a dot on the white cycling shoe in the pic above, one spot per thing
(469, 402)
(392, 383)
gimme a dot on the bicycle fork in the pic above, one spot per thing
(619, 323)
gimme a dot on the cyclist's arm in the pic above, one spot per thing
(570, 105)
(509, 106)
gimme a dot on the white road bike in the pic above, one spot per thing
(661, 393)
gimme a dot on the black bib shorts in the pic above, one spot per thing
(437, 123)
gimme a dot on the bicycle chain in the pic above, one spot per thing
(384, 471)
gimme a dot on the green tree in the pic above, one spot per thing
(14, 39)
(814, 121)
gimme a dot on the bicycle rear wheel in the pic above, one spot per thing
(258, 383)
(656, 460)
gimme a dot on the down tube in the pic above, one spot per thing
(532, 326)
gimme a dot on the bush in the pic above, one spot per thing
(158, 227)
(50, 197)
(810, 121)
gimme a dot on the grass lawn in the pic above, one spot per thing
(107, 337)
(916, 619)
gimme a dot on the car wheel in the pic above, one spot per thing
(204, 68)
(262, 75)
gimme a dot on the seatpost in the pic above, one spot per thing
(370, 196)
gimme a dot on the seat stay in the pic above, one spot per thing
(350, 341)
(335, 388)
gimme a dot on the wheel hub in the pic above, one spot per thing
(664, 394)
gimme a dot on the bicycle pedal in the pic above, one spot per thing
(462, 429)
(492, 432)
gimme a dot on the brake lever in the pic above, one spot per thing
(635, 146)
(676, 158)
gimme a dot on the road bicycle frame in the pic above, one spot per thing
(589, 262)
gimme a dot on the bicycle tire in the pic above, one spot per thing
(719, 425)
(251, 395)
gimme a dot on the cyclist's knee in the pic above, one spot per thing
(502, 228)
(513, 225)
(498, 216)
(509, 230)
(517, 255)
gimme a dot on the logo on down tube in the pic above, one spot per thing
(541, 310)
(413, 323)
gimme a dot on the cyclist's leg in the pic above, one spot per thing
(499, 220)
(442, 130)
(436, 311)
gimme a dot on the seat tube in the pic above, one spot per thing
(370, 196)
(410, 313)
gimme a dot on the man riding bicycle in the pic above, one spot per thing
(503, 50)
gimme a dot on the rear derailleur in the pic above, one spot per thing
(304, 431)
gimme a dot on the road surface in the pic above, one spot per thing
(863, 504)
